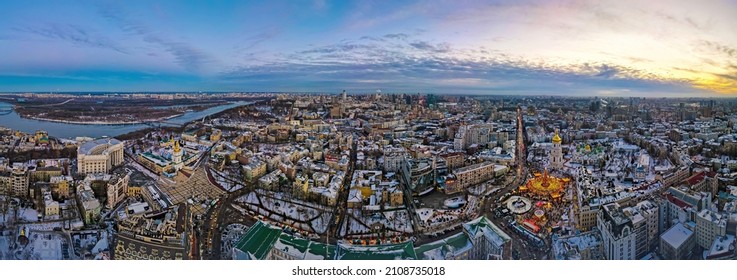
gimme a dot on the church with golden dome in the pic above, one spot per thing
(176, 156)
(556, 153)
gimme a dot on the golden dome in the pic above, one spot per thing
(556, 138)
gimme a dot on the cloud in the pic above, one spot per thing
(254, 40)
(440, 68)
(425, 46)
(72, 33)
(189, 57)
(397, 36)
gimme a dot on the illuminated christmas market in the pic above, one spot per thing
(545, 186)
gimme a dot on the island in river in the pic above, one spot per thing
(109, 125)
(109, 109)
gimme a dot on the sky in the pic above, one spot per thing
(587, 48)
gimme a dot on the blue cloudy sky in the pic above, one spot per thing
(603, 48)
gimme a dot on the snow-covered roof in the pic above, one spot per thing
(677, 235)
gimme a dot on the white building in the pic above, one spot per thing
(99, 156)
(51, 207)
(709, 225)
(617, 233)
(117, 189)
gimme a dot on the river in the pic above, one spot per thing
(70, 131)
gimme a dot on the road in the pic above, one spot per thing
(341, 205)
(519, 245)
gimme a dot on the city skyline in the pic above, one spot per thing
(668, 48)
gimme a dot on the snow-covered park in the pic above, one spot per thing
(296, 213)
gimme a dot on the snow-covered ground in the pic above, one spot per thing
(359, 222)
(320, 224)
(5, 253)
(224, 182)
(430, 216)
(250, 198)
(42, 246)
(143, 170)
(87, 241)
(296, 213)
(48, 226)
(101, 245)
(28, 214)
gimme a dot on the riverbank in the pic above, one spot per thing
(103, 122)
(66, 129)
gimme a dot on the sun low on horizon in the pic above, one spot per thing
(586, 48)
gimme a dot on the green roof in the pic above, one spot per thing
(455, 245)
(262, 238)
(320, 251)
(304, 249)
(258, 240)
(400, 251)
(482, 225)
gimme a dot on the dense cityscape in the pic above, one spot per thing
(367, 176)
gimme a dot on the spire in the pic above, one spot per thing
(176, 146)
(556, 138)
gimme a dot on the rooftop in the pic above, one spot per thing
(258, 240)
(400, 251)
(676, 235)
(91, 146)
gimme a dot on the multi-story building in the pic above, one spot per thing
(51, 207)
(117, 189)
(583, 246)
(155, 235)
(723, 248)
(676, 177)
(650, 211)
(99, 156)
(254, 170)
(644, 218)
(617, 232)
(453, 160)
(19, 180)
(60, 185)
(586, 217)
(153, 162)
(475, 174)
(90, 205)
(6, 183)
(709, 225)
(639, 227)
(417, 174)
(393, 158)
(682, 206)
(677, 243)
(703, 182)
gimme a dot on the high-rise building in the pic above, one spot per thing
(19, 180)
